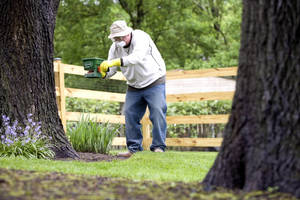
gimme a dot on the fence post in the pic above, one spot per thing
(62, 97)
(146, 130)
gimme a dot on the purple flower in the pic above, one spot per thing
(26, 132)
(8, 130)
(4, 118)
(27, 140)
(30, 120)
(8, 141)
(15, 123)
(37, 129)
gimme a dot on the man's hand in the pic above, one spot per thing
(103, 68)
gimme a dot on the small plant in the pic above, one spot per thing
(90, 136)
(26, 141)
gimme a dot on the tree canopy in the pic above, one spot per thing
(190, 34)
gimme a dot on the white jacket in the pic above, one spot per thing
(142, 62)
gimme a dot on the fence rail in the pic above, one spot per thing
(60, 69)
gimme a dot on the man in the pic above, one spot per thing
(143, 67)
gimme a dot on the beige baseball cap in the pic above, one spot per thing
(119, 28)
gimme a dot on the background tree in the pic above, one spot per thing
(262, 138)
(190, 34)
(81, 30)
(26, 73)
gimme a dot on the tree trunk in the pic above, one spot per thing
(261, 146)
(26, 67)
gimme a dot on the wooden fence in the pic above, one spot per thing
(60, 69)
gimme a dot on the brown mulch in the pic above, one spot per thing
(93, 157)
(34, 185)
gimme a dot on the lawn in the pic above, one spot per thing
(146, 165)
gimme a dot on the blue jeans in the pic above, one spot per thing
(135, 106)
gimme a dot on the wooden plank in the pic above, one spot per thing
(119, 141)
(74, 69)
(173, 74)
(183, 74)
(60, 88)
(194, 142)
(56, 78)
(198, 119)
(57, 91)
(79, 70)
(91, 94)
(183, 142)
(201, 96)
(194, 119)
(146, 129)
(115, 119)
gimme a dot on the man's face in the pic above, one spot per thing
(125, 38)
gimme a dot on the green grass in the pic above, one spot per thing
(146, 165)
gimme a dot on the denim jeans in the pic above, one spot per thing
(135, 106)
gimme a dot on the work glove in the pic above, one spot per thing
(104, 66)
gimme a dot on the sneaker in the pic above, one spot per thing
(158, 150)
(126, 154)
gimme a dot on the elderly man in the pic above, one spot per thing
(144, 68)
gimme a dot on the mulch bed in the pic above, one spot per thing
(93, 157)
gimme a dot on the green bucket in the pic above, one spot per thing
(91, 65)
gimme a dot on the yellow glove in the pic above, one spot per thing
(103, 68)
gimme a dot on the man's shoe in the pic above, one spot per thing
(126, 154)
(158, 150)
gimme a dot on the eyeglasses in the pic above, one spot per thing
(119, 38)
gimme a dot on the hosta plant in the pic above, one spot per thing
(88, 135)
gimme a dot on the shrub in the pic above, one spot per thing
(197, 108)
(90, 136)
(92, 106)
(26, 141)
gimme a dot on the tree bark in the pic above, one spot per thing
(26, 67)
(262, 138)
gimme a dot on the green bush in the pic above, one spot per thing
(27, 141)
(90, 136)
(197, 108)
(92, 106)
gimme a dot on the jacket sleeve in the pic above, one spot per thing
(140, 44)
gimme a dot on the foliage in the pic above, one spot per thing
(92, 106)
(89, 136)
(190, 34)
(197, 108)
(25, 141)
(80, 30)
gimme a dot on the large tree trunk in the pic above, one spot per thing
(261, 145)
(26, 67)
